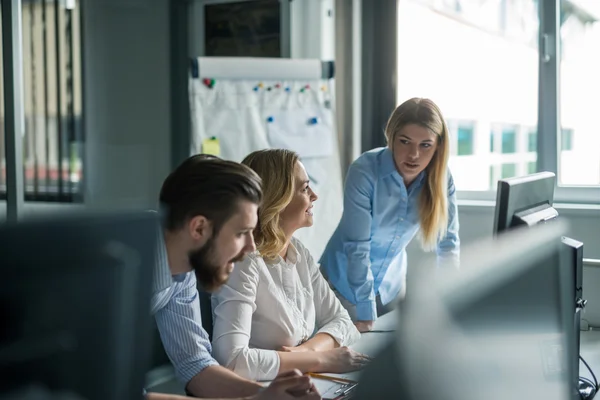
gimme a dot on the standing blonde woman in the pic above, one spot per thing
(392, 193)
(277, 313)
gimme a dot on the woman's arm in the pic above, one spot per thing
(355, 226)
(236, 303)
(333, 324)
(448, 249)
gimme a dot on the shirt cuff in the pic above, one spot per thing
(448, 259)
(185, 373)
(366, 311)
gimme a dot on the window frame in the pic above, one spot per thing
(548, 148)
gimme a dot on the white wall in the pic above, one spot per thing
(126, 101)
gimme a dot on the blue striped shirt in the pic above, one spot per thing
(176, 307)
(366, 255)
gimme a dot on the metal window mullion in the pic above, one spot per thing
(70, 100)
(59, 124)
(46, 99)
(12, 47)
(549, 86)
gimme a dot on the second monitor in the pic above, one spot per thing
(525, 200)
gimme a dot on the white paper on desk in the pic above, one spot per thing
(292, 129)
(327, 388)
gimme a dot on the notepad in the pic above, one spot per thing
(333, 390)
(211, 146)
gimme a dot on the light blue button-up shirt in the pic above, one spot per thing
(176, 306)
(366, 255)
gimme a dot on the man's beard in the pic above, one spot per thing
(209, 273)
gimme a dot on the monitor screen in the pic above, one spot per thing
(75, 305)
(242, 28)
(497, 328)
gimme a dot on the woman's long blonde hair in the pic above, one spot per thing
(433, 203)
(276, 169)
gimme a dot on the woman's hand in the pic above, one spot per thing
(364, 326)
(343, 359)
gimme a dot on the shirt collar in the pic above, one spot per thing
(292, 255)
(388, 167)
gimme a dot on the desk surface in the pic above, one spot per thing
(371, 343)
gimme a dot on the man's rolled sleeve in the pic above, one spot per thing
(185, 341)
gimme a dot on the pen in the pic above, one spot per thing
(330, 378)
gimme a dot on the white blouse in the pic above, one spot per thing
(265, 306)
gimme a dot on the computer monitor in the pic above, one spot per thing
(525, 200)
(75, 305)
(497, 328)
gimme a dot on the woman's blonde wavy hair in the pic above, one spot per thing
(276, 169)
(433, 202)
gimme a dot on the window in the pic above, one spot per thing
(509, 141)
(465, 140)
(532, 142)
(475, 89)
(579, 141)
(53, 137)
(567, 140)
(509, 170)
(531, 167)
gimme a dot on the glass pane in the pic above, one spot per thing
(532, 141)
(465, 140)
(509, 140)
(579, 141)
(509, 170)
(471, 59)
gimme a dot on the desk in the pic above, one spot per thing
(371, 343)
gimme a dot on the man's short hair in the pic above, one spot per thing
(209, 186)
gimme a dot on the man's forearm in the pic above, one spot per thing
(161, 396)
(219, 382)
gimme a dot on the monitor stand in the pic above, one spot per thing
(575, 256)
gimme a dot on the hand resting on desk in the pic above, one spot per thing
(292, 385)
(364, 326)
(338, 360)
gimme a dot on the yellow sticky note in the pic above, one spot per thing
(211, 146)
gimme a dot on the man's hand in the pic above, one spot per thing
(289, 386)
(364, 326)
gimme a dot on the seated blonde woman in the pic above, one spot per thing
(277, 312)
